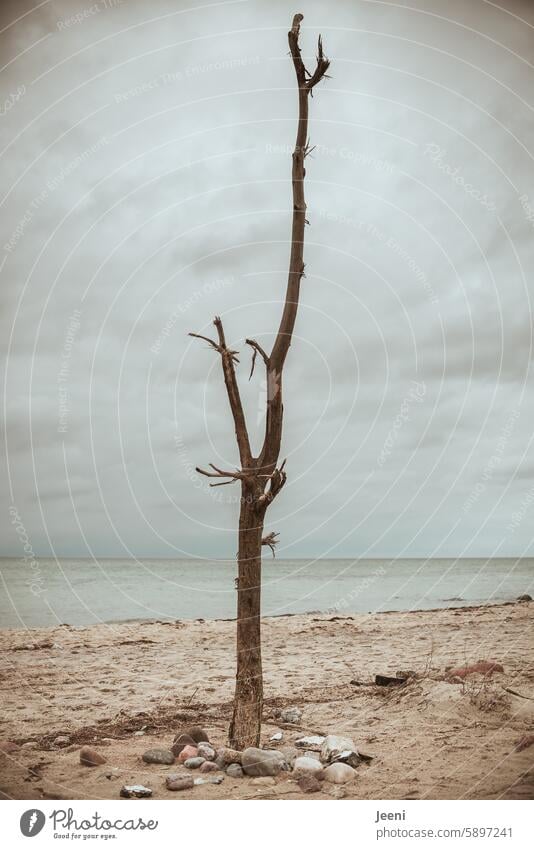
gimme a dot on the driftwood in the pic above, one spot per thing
(260, 477)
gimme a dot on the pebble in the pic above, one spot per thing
(234, 771)
(339, 773)
(334, 745)
(291, 715)
(209, 766)
(262, 762)
(135, 791)
(186, 753)
(306, 765)
(139, 733)
(179, 782)
(212, 779)
(90, 757)
(193, 763)
(276, 738)
(206, 751)
(264, 780)
(31, 744)
(309, 784)
(158, 756)
(8, 747)
(62, 740)
(180, 742)
(226, 756)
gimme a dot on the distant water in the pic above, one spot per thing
(82, 592)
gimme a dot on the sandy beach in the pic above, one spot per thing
(128, 687)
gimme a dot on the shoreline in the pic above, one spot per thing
(124, 688)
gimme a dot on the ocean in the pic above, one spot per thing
(85, 592)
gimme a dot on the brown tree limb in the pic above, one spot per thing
(271, 541)
(257, 350)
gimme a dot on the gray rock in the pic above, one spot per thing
(212, 779)
(334, 745)
(312, 743)
(209, 766)
(193, 763)
(62, 740)
(158, 756)
(135, 791)
(291, 715)
(206, 751)
(307, 766)
(339, 773)
(262, 762)
(277, 738)
(234, 771)
(179, 782)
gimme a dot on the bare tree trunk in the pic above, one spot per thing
(261, 480)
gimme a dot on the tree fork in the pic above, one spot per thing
(260, 479)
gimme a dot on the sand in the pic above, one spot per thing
(124, 688)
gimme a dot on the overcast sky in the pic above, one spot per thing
(145, 188)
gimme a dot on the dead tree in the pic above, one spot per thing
(260, 478)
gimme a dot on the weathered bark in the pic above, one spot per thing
(260, 479)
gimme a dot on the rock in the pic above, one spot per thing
(158, 756)
(353, 759)
(524, 597)
(290, 754)
(334, 745)
(31, 744)
(179, 782)
(186, 753)
(262, 762)
(139, 733)
(291, 715)
(90, 757)
(8, 747)
(484, 667)
(193, 763)
(309, 784)
(226, 756)
(197, 734)
(339, 773)
(234, 771)
(212, 779)
(312, 743)
(62, 740)
(264, 781)
(209, 766)
(135, 791)
(389, 681)
(206, 751)
(277, 738)
(180, 742)
(307, 766)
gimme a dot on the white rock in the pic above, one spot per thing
(334, 745)
(307, 766)
(339, 773)
(313, 743)
(277, 737)
(291, 715)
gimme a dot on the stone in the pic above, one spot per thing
(334, 745)
(193, 763)
(290, 754)
(339, 773)
(291, 715)
(262, 762)
(139, 733)
(211, 779)
(62, 740)
(31, 744)
(186, 753)
(8, 747)
(264, 781)
(208, 766)
(312, 743)
(90, 757)
(180, 742)
(234, 771)
(179, 782)
(309, 784)
(158, 756)
(277, 738)
(197, 734)
(524, 597)
(135, 791)
(227, 756)
(206, 751)
(306, 765)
